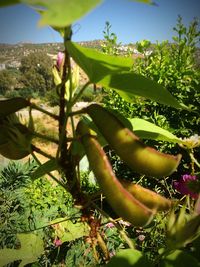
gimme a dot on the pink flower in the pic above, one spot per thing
(60, 58)
(187, 185)
(110, 225)
(57, 242)
(124, 223)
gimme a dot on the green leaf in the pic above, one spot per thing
(62, 13)
(96, 64)
(113, 72)
(31, 249)
(68, 231)
(148, 130)
(135, 84)
(45, 168)
(179, 259)
(129, 258)
(4, 3)
(8, 106)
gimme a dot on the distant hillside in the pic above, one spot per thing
(10, 55)
(13, 53)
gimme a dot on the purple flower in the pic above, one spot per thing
(60, 58)
(186, 185)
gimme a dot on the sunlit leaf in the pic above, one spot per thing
(179, 259)
(62, 13)
(136, 84)
(96, 64)
(113, 72)
(68, 231)
(129, 258)
(31, 248)
(148, 130)
(45, 168)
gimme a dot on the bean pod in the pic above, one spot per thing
(149, 198)
(129, 147)
(122, 202)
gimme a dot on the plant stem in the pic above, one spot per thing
(50, 224)
(33, 106)
(80, 111)
(62, 112)
(194, 160)
(47, 138)
(119, 228)
(51, 175)
(76, 97)
(39, 151)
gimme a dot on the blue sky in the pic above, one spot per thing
(131, 21)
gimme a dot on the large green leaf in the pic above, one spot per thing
(113, 72)
(96, 64)
(4, 3)
(129, 258)
(68, 231)
(81, 9)
(9, 106)
(179, 259)
(148, 130)
(45, 168)
(62, 13)
(31, 248)
(135, 84)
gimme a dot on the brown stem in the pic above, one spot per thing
(64, 156)
(33, 106)
(47, 138)
(39, 151)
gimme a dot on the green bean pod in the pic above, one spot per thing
(122, 202)
(149, 198)
(129, 147)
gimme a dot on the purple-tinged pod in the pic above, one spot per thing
(129, 147)
(149, 198)
(122, 202)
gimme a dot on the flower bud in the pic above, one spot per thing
(60, 61)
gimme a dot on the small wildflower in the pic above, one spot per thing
(110, 225)
(57, 242)
(124, 223)
(112, 253)
(191, 142)
(141, 238)
(185, 185)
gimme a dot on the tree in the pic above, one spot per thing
(7, 81)
(36, 72)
